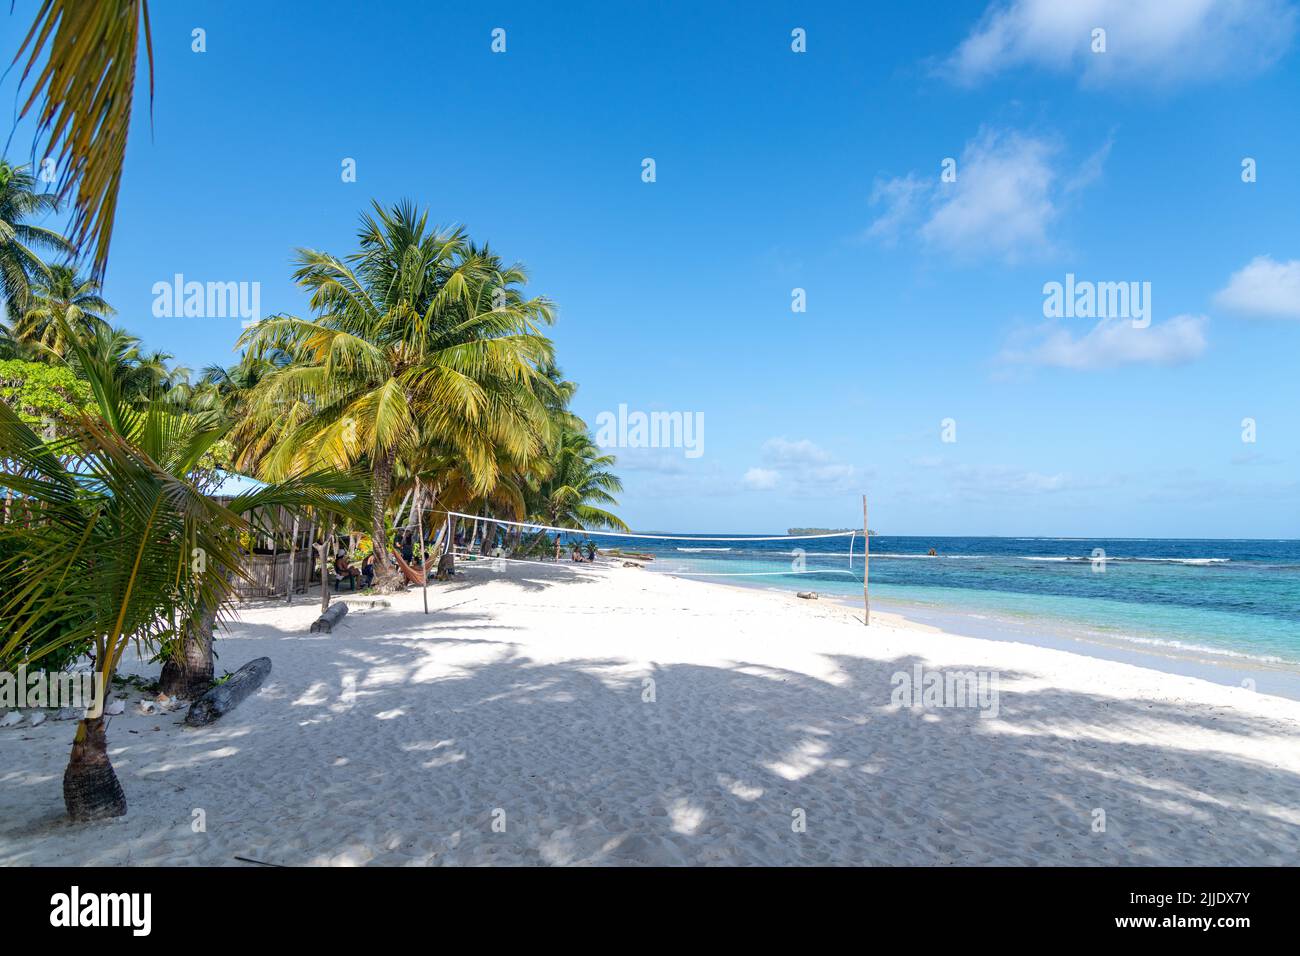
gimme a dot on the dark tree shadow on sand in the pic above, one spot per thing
(580, 766)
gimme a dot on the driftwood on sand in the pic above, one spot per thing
(223, 698)
(325, 623)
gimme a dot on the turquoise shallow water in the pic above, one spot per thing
(1239, 598)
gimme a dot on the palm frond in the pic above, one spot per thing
(86, 88)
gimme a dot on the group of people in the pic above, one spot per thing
(345, 570)
(577, 550)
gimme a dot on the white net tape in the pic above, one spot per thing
(500, 544)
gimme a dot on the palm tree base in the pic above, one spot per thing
(91, 790)
(178, 680)
(389, 584)
(189, 674)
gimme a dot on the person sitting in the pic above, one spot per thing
(368, 569)
(591, 552)
(343, 569)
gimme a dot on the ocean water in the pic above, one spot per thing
(1234, 598)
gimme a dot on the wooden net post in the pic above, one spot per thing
(419, 536)
(866, 565)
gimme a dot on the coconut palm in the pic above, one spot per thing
(140, 375)
(87, 55)
(22, 242)
(120, 546)
(566, 482)
(578, 482)
(60, 293)
(420, 339)
(234, 383)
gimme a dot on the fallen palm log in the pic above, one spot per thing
(619, 553)
(223, 698)
(325, 623)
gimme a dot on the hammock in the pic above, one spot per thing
(413, 574)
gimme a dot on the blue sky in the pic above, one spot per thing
(778, 170)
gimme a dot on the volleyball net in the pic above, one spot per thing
(832, 556)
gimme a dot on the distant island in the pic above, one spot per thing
(825, 530)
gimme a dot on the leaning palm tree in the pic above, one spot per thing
(119, 546)
(61, 299)
(420, 338)
(22, 241)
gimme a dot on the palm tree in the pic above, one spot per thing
(120, 546)
(21, 241)
(141, 375)
(86, 86)
(579, 481)
(420, 339)
(61, 293)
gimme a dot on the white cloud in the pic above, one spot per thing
(1196, 488)
(662, 461)
(802, 468)
(901, 198)
(977, 482)
(1264, 288)
(1255, 458)
(1090, 169)
(1002, 480)
(783, 451)
(1008, 192)
(1112, 343)
(1002, 198)
(838, 476)
(1148, 42)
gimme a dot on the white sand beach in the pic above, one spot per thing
(521, 700)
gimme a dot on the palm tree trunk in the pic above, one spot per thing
(191, 675)
(311, 550)
(325, 565)
(401, 512)
(91, 790)
(275, 553)
(387, 580)
(293, 556)
(489, 537)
